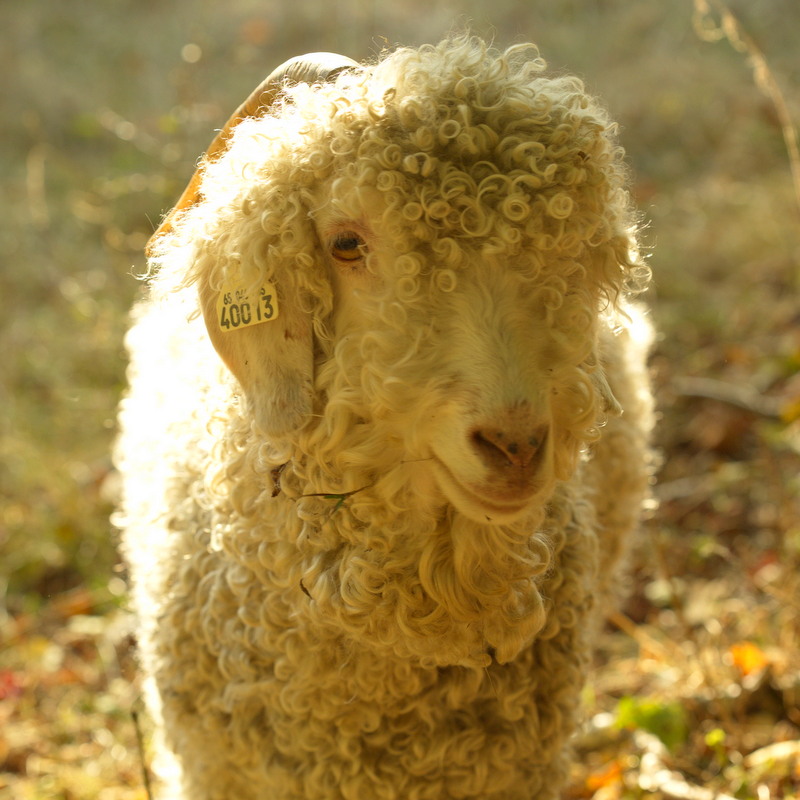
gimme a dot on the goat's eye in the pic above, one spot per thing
(348, 247)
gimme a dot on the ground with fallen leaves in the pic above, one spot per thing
(695, 693)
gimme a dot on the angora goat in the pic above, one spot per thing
(387, 432)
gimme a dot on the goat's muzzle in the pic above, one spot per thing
(507, 466)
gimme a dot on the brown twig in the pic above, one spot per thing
(744, 397)
(731, 29)
(143, 760)
(642, 637)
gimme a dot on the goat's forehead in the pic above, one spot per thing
(426, 100)
(455, 207)
(433, 159)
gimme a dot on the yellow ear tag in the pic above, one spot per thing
(237, 308)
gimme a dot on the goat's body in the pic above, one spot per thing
(319, 618)
(262, 699)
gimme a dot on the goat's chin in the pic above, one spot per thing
(483, 502)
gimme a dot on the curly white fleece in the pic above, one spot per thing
(340, 593)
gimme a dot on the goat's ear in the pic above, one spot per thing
(272, 358)
(265, 339)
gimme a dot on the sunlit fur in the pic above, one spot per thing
(338, 595)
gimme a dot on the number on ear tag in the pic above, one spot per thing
(237, 308)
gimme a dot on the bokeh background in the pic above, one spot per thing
(105, 108)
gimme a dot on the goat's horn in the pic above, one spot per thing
(310, 68)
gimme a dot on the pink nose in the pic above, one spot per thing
(512, 445)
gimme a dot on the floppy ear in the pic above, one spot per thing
(261, 333)
(265, 339)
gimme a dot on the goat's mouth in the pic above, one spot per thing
(495, 501)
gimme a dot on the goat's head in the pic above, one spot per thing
(439, 234)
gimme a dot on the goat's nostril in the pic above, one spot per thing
(489, 451)
(499, 450)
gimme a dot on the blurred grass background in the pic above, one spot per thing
(106, 107)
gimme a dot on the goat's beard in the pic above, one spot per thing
(439, 589)
(484, 578)
(388, 563)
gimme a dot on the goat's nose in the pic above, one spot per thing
(510, 446)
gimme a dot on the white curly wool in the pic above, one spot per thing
(371, 532)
